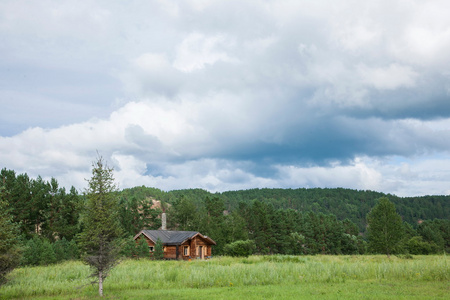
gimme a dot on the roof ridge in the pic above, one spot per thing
(173, 236)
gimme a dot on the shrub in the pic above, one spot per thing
(135, 249)
(65, 250)
(47, 253)
(39, 251)
(128, 247)
(32, 252)
(240, 248)
(416, 245)
(72, 250)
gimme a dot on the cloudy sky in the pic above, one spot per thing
(227, 95)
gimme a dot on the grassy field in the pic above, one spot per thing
(256, 277)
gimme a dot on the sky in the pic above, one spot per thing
(229, 95)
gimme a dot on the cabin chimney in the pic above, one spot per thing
(163, 221)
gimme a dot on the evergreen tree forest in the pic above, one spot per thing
(266, 221)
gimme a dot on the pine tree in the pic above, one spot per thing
(128, 247)
(99, 238)
(48, 255)
(32, 252)
(385, 227)
(213, 222)
(9, 248)
(159, 250)
(141, 248)
(64, 212)
(184, 213)
(136, 214)
(65, 250)
(72, 251)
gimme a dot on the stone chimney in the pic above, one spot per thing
(163, 221)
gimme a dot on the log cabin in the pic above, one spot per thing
(179, 244)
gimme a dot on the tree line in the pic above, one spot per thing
(45, 221)
(343, 203)
(288, 231)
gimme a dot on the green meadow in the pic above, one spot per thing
(256, 277)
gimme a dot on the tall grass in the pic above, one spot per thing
(67, 278)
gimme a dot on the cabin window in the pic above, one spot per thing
(151, 248)
(186, 251)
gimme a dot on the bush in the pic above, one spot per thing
(416, 245)
(39, 251)
(65, 250)
(240, 248)
(47, 255)
(32, 253)
(362, 245)
(131, 248)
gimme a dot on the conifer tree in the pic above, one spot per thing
(184, 213)
(159, 250)
(128, 247)
(32, 251)
(9, 248)
(65, 250)
(48, 255)
(141, 248)
(385, 227)
(99, 238)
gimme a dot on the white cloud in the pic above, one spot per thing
(426, 37)
(209, 91)
(197, 51)
(172, 139)
(413, 177)
(357, 175)
(389, 78)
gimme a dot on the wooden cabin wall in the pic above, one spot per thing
(149, 242)
(170, 252)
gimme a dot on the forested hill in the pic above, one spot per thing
(285, 221)
(346, 203)
(343, 203)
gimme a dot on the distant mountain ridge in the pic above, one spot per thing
(343, 203)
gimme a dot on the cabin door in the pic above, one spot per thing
(201, 252)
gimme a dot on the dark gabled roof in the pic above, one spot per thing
(171, 237)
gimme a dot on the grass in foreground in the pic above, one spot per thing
(256, 277)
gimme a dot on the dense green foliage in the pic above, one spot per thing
(38, 206)
(136, 213)
(278, 221)
(437, 233)
(385, 229)
(39, 251)
(240, 248)
(132, 249)
(158, 253)
(9, 246)
(343, 203)
(308, 277)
